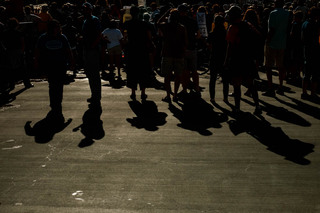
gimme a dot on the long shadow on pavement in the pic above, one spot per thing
(302, 107)
(45, 129)
(273, 137)
(197, 115)
(6, 97)
(281, 113)
(148, 116)
(92, 126)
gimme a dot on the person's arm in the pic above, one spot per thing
(231, 39)
(37, 55)
(270, 34)
(271, 29)
(163, 18)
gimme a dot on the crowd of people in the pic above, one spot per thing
(240, 40)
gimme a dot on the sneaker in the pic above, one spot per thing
(304, 96)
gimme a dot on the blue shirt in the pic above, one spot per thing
(279, 21)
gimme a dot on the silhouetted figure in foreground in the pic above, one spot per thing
(53, 55)
(138, 46)
(91, 31)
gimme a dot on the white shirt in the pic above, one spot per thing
(114, 36)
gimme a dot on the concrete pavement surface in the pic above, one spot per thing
(154, 157)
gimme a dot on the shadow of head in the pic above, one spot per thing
(92, 125)
(148, 116)
(44, 130)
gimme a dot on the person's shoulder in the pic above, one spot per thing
(62, 36)
(43, 37)
(95, 17)
(106, 30)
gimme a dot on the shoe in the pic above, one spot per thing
(269, 93)
(280, 91)
(248, 93)
(198, 95)
(236, 111)
(166, 99)
(183, 94)
(258, 110)
(144, 97)
(304, 96)
(133, 97)
(175, 99)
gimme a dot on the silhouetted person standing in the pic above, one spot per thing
(138, 47)
(91, 32)
(276, 44)
(218, 46)
(14, 43)
(191, 57)
(310, 38)
(53, 55)
(240, 57)
(174, 37)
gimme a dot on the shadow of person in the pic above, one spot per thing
(302, 107)
(198, 115)
(273, 137)
(148, 116)
(6, 97)
(283, 114)
(45, 129)
(92, 126)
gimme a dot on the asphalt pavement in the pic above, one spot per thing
(190, 156)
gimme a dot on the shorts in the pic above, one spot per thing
(116, 50)
(169, 65)
(274, 57)
(191, 60)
